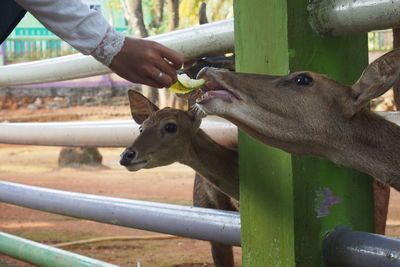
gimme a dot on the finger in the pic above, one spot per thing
(152, 83)
(165, 80)
(167, 70)
(161, 78)
(143, 79)
(176, 58)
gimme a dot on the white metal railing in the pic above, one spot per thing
(113, 133)
(193, 222)
(340, 17)
(209, 39)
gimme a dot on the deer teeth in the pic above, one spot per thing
(202, 97)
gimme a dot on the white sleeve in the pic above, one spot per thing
(71, 20)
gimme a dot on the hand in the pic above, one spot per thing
(142, 61)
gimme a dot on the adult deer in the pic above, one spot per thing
(310, 114)
(171, 135)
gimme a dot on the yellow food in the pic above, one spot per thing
(185, 84)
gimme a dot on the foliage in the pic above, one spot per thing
(216, 10)
(150, 9)
(114, 4)
(188, 12)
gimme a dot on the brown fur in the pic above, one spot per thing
(217, 177)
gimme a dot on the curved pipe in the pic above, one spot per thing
(209, 39)
(340, 17)
(193, 222)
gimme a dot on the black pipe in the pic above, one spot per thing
(347, 248)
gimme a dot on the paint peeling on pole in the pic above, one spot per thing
(324, 200)
(340, 17)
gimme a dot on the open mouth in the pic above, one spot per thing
(213, 89)
(135, 166)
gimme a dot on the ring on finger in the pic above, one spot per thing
(159, 76)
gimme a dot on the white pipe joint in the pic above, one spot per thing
(340, 17)
(209, 39)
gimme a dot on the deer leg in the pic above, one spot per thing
(222, 255)
(381, 205)
(207, 196)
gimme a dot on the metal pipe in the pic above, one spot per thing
(193, 222)
(209, 39)
(339, 17)
(118, 133)
(43, 255)
(113, 133)
(344, 247)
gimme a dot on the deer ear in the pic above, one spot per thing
(141, 107)
(376, 79)
(195, 113)
(196, 116)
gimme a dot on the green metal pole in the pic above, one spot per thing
(289, 202)
(43, 255)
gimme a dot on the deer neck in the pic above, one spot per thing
(372, 145)
(216, 163)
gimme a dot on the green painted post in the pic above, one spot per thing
(283, 196)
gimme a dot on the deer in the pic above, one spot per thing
(171, 135)
(324, 118)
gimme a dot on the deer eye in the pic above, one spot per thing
(170, 127)
(140, 129)
(303, 79)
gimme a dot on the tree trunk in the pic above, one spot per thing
(173, 6)
(203, 13)
(134, 14)
(158, 14)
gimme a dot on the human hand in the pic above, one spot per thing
(142, 61)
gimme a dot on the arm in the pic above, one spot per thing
(71, 20)
(136, 60)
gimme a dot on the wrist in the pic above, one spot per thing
(109, 46)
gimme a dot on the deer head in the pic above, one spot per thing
(310, 114)
(301, 112)
(164, 134)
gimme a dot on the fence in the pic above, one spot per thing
(25, 49)
(380, 41)
(210, 39)
(194, 222)
(27, 44)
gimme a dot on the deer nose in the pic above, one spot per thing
(126, 157)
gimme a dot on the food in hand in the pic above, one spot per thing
(185, 84)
